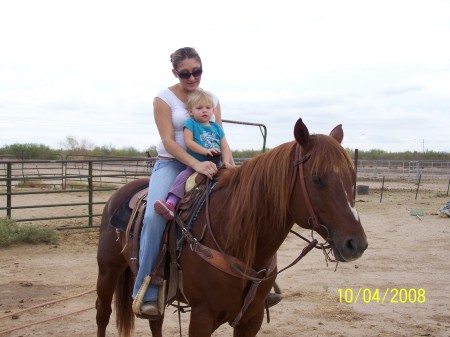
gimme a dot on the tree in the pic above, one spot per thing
(75, 147)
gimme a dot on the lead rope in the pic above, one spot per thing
(179, 318)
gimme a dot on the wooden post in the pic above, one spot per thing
(418, 185)
(448, 186)
(356, 174)
(8, 189)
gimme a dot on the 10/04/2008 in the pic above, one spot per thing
(387, 295)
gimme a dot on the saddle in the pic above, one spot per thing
(128, 216)
(166, 269)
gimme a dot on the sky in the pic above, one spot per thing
(90, 69)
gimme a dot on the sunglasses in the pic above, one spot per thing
(186, 75)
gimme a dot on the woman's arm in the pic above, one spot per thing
(225, 148)
(227, 157)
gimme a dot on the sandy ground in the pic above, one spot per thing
(400, 287)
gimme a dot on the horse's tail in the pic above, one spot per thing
(123, 302)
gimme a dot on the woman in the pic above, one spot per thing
(170, 114)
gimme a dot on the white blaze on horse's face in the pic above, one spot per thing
(352, 209)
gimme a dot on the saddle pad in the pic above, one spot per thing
(122, 215)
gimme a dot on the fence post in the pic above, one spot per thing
(448, 186)
(382, 190)
(8, 189)
(91, 194)
(62, 175)
(418, 185)
(356, 174)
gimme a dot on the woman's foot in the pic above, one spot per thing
(273, 299)
(150, 308)
(167, 210)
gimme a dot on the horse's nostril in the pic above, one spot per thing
(351, 246)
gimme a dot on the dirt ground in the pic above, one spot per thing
(400, 286)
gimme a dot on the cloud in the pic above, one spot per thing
(92, 68)
(401, 91)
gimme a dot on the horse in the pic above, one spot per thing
(252, 208)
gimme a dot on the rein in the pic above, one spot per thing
(313, 223)
(235, 267)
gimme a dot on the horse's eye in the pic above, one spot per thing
(317, 181)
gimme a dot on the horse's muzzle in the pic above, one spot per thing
(349, 249)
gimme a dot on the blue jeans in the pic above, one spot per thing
(163, 175)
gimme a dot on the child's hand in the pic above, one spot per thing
(227, 165)
(213, 152)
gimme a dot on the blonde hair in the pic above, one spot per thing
(198, 96)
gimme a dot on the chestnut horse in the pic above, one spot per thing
(252, 208)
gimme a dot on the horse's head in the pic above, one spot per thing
(325, 179)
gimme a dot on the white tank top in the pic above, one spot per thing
(179, 116)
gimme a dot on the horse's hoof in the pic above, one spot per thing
(273, 299)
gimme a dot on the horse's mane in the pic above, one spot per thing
(269, 174)
(248, 189)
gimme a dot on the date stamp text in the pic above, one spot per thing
(387, 295)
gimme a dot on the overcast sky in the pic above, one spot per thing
(90, 69)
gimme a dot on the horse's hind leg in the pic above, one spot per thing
(106, 283)
(111, 265)
(156, 327)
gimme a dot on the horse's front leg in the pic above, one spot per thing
(201, 324)
(250, 327)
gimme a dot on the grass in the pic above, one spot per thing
(78, 184)
(12, 233)
(30, 183)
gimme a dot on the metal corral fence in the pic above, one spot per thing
(82, 185)
(90, 180)
(403, 170)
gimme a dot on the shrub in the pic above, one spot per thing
(11, 233)
(30, 183)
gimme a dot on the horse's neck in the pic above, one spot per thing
(269, 241)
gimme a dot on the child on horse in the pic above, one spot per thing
(204, 140)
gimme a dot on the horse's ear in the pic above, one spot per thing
(337, 133)
(301, 134)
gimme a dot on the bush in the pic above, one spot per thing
(11, 233)
(30, 183)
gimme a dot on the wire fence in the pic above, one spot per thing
(403, 170)
(78, 187)
(38, 190)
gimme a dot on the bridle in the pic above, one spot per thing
(313, 221)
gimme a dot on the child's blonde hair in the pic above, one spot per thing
(199, 96)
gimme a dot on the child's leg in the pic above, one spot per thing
(176, 192)
(177, 189)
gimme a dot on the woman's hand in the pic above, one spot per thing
(207, 168)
